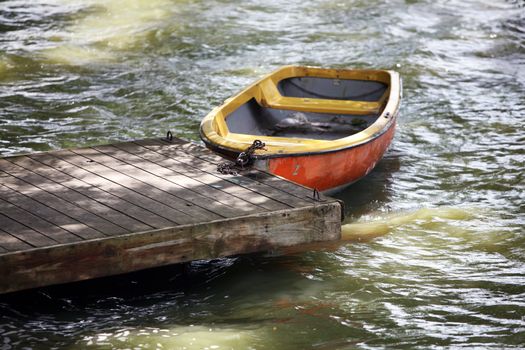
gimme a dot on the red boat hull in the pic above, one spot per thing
(333, 170)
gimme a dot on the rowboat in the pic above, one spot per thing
(321, 128)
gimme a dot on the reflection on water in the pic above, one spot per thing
(445, 268)
(106, 28)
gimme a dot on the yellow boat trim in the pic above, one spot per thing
(215, 130)
(272, 98)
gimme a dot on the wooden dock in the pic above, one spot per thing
(77, 214)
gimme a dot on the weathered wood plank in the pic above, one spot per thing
(221, 190)
(63, 206)
(140, 206)
(131, 252)
(186, 187)
(203, 153)
(185, 199)
(189, 156)
(127, 215)
(61, 220)
(298, 191)
(169, 206)
(36, 223)
(71, 195)
(168, 194)
(24, 233)
(9, 242)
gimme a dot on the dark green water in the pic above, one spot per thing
(447, 203)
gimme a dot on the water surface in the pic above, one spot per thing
(435, 256)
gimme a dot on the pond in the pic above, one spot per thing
(435, 249)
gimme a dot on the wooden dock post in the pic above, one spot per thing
(77, 214)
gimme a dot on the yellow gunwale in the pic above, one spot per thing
(215, 131)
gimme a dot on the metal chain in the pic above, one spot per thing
(243, 159)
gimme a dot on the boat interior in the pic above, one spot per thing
(311, 108)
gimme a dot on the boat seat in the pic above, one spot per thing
(270, 97)
(251, 118)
